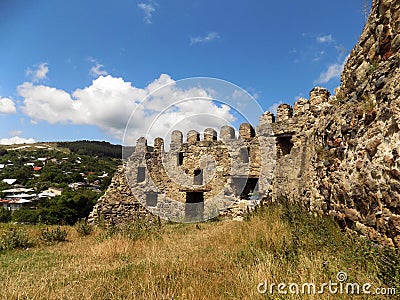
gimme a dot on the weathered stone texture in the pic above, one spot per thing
(358, 137)
(161, 181)
(118, 205)
(284, 112)
(210, 134)
(176, 140)
(227, 133)
(337, 154)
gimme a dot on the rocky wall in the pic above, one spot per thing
(357, 141)
(336, 154)
(118, 205)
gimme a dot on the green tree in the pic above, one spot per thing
(24, 215)
(3, 152)
(5, 215)
(22, 174)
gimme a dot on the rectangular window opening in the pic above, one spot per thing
(284, 145)
(180, 158)
(246, 188)
(151, 199)
(244, 154)
(198, 177)
(194, 207)
(141, 174)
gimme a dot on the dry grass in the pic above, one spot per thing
(216, 260)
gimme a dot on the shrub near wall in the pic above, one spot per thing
(5, 215)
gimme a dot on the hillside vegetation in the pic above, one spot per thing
(41, 166)
(93, 148)
(213, 260)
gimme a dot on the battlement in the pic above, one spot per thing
(227, 133)
(319, 95)
(210, 134)
(301, 106)
(285, 112)
(339, 160)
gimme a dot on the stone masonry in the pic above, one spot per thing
(337, 154)
(197, 179)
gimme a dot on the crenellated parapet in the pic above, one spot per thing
(192, 136)
(301, 106)
(210, 135)
(284, 112)
(227, 133)
(318, 96)
(176, 140)
(246, 131)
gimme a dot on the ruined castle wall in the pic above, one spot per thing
(337, 154)
(340, 154)
(294, 135)
(118, 205)
(161, 181)
(358, 139)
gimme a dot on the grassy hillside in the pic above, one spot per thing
(214, 260)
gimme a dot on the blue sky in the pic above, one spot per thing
(74, 70)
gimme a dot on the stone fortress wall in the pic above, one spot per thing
(201, 174)
(195, 174)
(215, 174)
(338, 154)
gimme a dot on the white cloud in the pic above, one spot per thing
(238, 94)
(148, 10)
(241, 97)
(15, 132)
(204, 39)
(274, 107)
(16, 140)
(46, 103)
(38, 73)
(333, 71)
(108, 103)
(97, 70)
(325, 38)
(7, 106)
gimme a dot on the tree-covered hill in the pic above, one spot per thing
(93, 148)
